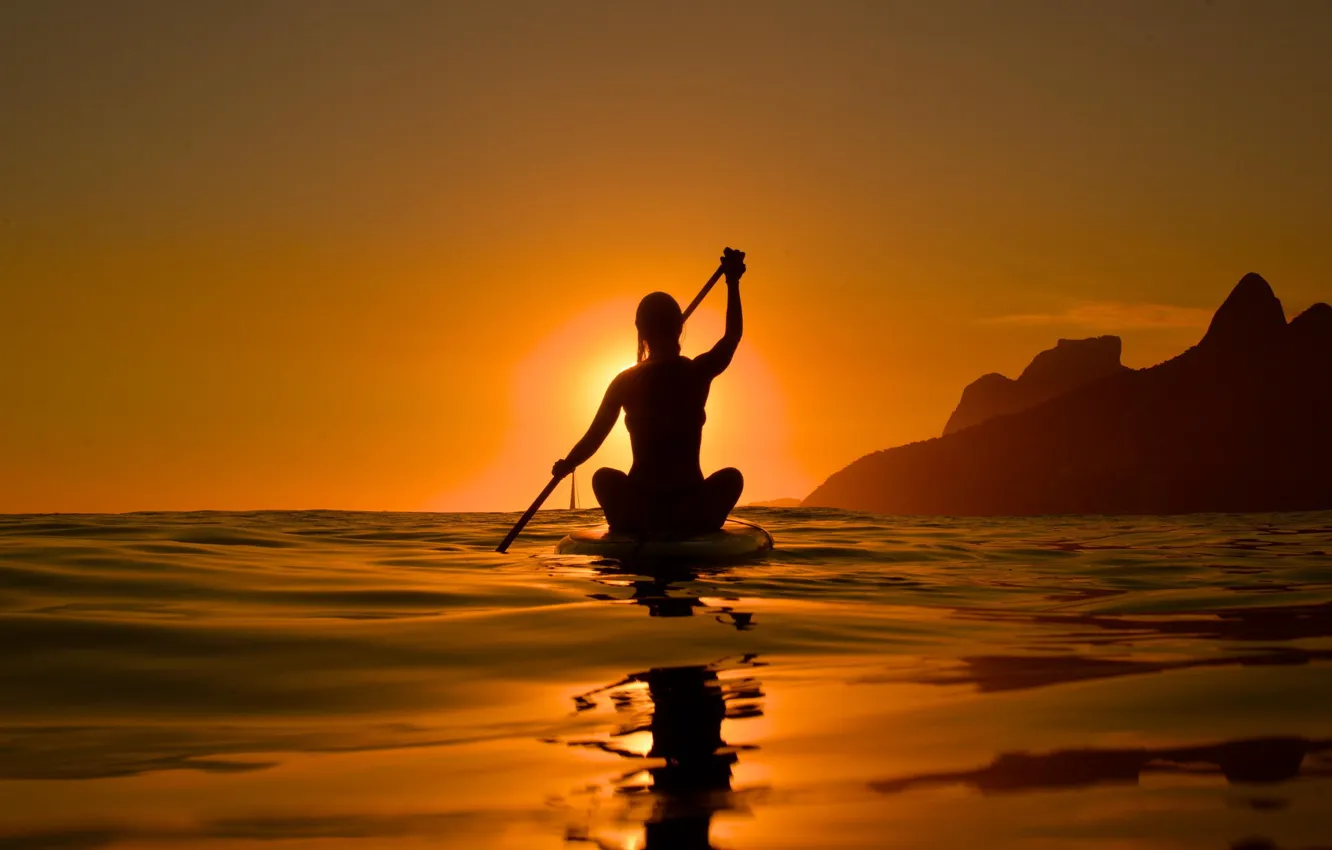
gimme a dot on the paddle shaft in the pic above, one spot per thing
(555, 480)
(527, 516)
(702, 293)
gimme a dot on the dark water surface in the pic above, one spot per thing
(326, 679)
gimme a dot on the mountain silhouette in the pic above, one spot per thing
(1238, 422)
(774, 503)
(1055, 371)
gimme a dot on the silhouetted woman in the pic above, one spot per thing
(663, 397)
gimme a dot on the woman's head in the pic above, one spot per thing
(659, 323)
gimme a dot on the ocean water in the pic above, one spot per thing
(340, 680)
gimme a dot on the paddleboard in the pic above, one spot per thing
(735, 540)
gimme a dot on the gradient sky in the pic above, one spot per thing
(384, 255)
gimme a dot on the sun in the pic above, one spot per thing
(558, 385)
(599, 377)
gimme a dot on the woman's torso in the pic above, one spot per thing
(664, 404)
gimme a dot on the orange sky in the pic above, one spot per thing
(381, 255)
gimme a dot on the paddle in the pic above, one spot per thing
(554, 482)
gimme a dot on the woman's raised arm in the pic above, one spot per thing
(715, 360)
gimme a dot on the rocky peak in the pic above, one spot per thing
(1317, 319)
(1309, 336)
(1071, 361)
(1053, 372)
(1251, 316)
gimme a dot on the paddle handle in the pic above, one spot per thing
(531, 512)
(554, 482)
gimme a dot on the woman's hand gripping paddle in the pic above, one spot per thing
(555, 480)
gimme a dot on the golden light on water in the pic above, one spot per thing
(639, 743)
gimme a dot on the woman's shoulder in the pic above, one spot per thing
(658, 364)
(627, 376)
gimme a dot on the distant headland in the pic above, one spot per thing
(1242, 421)
(774, 503)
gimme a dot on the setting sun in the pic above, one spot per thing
(559, 383)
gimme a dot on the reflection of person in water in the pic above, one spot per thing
(653, 589)
(663, 398)
(686, 731)
(688, 705)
